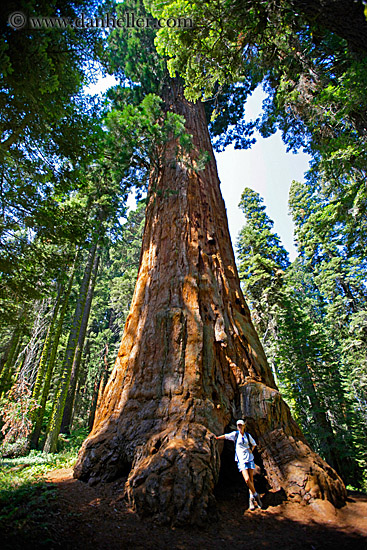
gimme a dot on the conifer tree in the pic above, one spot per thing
(190, 360)
(287, 308)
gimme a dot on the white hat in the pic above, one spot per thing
(240, 422)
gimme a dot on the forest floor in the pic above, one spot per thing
(79, 517)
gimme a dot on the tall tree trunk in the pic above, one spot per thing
(46, 349)
(69, 404)
(40, 411)
(33, 349)
(82, 396)
(104, 378)
(190, 361)
(8, 350)
(99, 386)
(8, 368)
(318, 410)
(94, 401)
(60, 398)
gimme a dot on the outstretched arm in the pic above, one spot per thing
(220, 437)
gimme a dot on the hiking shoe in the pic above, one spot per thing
(258, 501)
(251, 505)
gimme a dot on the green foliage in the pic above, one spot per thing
(16, 416)
(124, 258)
(23, 491)
(48, 134)
(315, 83)
(25, 511)
(338, 267)
(72, 442)
(21, 471)
(25, 496)
(132, 57)
(289, 307)
(42, 74)
(138, 137)
(268, 259)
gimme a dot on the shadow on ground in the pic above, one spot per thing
(79, 517)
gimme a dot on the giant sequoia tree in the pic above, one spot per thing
(190, 360)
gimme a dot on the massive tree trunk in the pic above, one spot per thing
(190, 361)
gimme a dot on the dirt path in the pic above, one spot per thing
(97, 518)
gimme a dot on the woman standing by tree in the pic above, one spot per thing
(244, 445)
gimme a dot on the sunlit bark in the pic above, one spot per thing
(190, 361)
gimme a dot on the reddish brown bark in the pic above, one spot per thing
(190, 362)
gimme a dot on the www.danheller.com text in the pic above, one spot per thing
(129, 20)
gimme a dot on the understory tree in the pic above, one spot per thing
(289, 309)
(335, 262)
(112, 298)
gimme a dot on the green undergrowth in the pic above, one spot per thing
(25, 496)
(16, 472)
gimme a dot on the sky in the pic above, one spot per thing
(266, 168)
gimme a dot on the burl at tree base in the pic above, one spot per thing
(190, 361)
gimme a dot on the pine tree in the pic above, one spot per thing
(287, 309)
(337, 267)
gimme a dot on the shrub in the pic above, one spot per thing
(17, 408)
